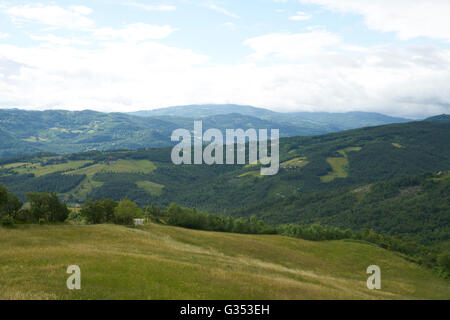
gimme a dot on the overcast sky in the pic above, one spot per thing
(388, 56)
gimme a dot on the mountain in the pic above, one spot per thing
(202, 111)
(164, 262)
(440, 118)
(320, 121)
(68, 132)
(336, 179)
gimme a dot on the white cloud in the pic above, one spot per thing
(58, 41)
(152, 7)
(134, 32)
(230, 25)
(81, 10)
(72, 18)
(291, 46)
(408, 18)
(300, 16)
(3, 35)
(127, 70)
(221, 10)
(307, 75)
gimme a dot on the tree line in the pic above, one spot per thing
(46, 207)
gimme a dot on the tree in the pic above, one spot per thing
(126, 211)
(443, 261)
(9, 203)
(93, 212)
(12, 205)
(3, 197)
(47, 207)
(108, 206)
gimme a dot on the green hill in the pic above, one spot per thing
(350, 179)
(61, 131)
(162, 262)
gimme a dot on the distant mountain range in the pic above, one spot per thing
(68, 132)
(316, 121)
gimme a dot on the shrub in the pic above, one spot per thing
(7, 222)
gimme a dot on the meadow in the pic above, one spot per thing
(164, 262)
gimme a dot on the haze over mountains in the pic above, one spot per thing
(62, 131)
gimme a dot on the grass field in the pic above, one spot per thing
(162, 262)
(339, 165)
(296, 162)
(151, 187)
(120, 166)
(74, 167)
(38, 170)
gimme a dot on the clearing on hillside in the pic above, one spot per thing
(339, 165)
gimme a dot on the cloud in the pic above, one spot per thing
(407, 18)
(126, 69)
(72, 18)
(300, 16)
(291, 46)
(230, 25)
(305, 73)
(3, 35)
(152, 7)
(59, 41)
(134, 32)
(221, 10)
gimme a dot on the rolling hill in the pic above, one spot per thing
(65, 132)
(351, 179)
(162, 262)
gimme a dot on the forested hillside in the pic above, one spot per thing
(67, 132)
(348, 179)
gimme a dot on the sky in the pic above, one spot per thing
(387, 56)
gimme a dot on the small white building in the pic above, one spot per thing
(138, 222)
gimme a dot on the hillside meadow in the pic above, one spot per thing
(164, 262)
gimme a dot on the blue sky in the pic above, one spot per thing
(307, 55)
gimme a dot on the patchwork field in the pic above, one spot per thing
(161, 262)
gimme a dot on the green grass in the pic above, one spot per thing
(38, 170)
(397, 145)
(162, 262)
(151, 187)
(84, 189)
(295, 162)
(256, 174)
(339, 165)
(120, 166)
